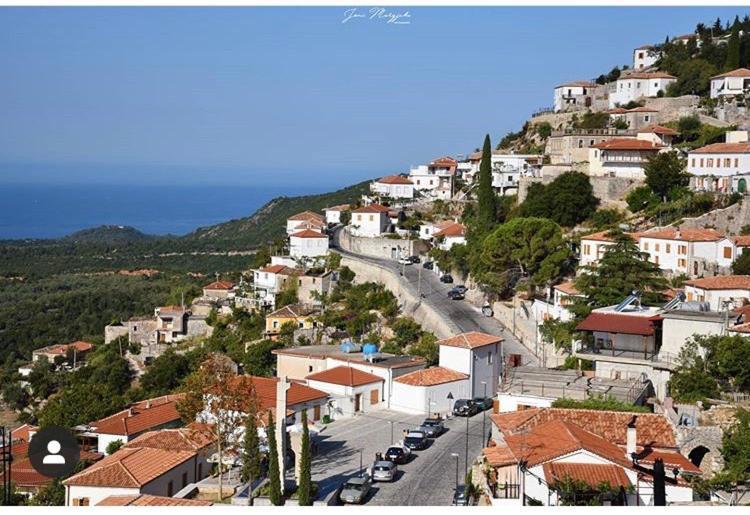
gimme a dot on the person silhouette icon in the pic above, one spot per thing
(54, 457)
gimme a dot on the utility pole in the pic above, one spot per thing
(466, 458)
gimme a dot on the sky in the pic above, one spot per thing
(266, 95)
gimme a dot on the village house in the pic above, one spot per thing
(645, 57)
(299, 315)
(554, 305)
(534, 453)
(449, 234)
(570, 146)
(730, 84)
(578, 96)
(271, 280)
(334, 213)
(622, 157)
(721, 167)
(506, 168)
(351, 391)
(635, 118)
(308, 244)
(634, 86)
(429, 391)
(436, 178)
(370, 221)
(721, 293)
(593, 246)
(305, 220)
(312, 286)
(77, 350)
(220, 290)
(393, 186)
(692, 252)
(657, 134)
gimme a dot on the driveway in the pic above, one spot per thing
(427, 480)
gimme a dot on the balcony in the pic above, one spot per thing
(505, 491)
(648, 356)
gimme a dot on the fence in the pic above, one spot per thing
(506, 491)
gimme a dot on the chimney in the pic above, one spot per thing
(631, 438)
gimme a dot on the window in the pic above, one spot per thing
(200, 471)
(81, 501)
(184, 479)
(646, 118)
(692, 162)
(682, 250)
(682, 264)
(275, 324)
(710, 162)
(645, 245)
(489, 358)
(727, 162)
(309, 368)
(728, 252)
(586, 249)
(701, 161)
(669, 248)
(372, 218)
(736, 162)
(374, 397)
(656, 247)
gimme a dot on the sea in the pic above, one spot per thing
(52, 211)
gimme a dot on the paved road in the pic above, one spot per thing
(428, 480)
(466, 316)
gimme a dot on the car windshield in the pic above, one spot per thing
(413, 439)
(394, 450)
(353, 486)
(382, 468)
(462, 403)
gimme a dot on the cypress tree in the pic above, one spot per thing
(486, 208)
(251, 451)
(305, 482)
(273, 463)
(733, 48)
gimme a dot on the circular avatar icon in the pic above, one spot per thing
(54, 452)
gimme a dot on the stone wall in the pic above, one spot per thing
(728, 220)
(673, 108)
(386, 248)
(611, 191)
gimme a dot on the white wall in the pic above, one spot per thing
(104, 440)
(455, 358)
(416, 399)
(510, 402)
(369, 224)
(342, 400)
(715, 298)
(95, 494)
(308, 247)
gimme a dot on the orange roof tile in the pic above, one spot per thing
(659, 129)
(309, 233)
(62, 349)
(599, 236)
(394, 179)
(431, 377)
(372, 208)
(307, 216)
(293, 311)
(265, 390)
(471, 340)
(345, 376)
(627, 144)
(723, 148)
(593, 474)
(281, 270)
(499, 456)
(150, 500)
(568, 288)
(739, 72)
(619, 323)
(721, 282)
(451, 229)
(190, 438)
(687, 234)
(742, 240)
(220, 285)
(137, 419)
(648, 75)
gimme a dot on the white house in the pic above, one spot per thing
(370, 221)
(506, 168)
(271, 280)
(429, 391)
(351, 391)
(436, 178)
(657, 134)
(478, 355)
(593, 247)
(556, 305)
(720, 292)
(305, 220)
(393, 186)
(637, 85)
(692, 252)
(622, 157)
(308, 244)
(645, 57)
(721, 167)
(576, 95)
(333, 213)
(736, 82)
(449, 234)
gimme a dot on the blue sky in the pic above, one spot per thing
(265, 95)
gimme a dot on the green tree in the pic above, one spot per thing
(251, 445)
(273, 463)
(568, 200)
(641, 198)
(427, 348)
(741, 265)
(735, 449)
(543, 130)
(51, 494)
(486, 199)
(665, 173)
(259, 359)
(164, 374)
(114, 446)
(733, 48)
(304, 488)
(622, 270)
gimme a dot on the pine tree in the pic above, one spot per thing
(251, 451)
(273, 463)
(305, 482)
(487, 208)
(733, 48)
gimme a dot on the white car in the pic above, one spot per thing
(404, 261)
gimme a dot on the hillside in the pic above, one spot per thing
(108, 234)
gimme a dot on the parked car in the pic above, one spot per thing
(454, 294)
(487, 310)
(384, 471)
(461, 288)
(404, 261)
(484, 403)
(465, 408)
(459, 496)
(428, 265)
(416, 440)
(355, 490)
(433, 427)
(415, 259)
(398, 454)
(446, 278)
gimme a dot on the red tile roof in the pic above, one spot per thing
(568, 288)
(739, 72)
(345, 376)
(137, 419)
(281, 270)
(723, 148)
(444, 161)
(659, 129)
(592, 474)
(150, 500)
(307, 216)
(599, 236)
(687, 234)
(742, 241)
(220, 285)
(293, 311)
(130, 467)
(499, 456)
(648, 75)
(431, 377)
(721, 282)
(394, 179)
(62, 349)
(372, 208)
(191, 438)
(627, 144)
(471, 340)
(309, 233)
(619, 323)
(578, 83)
(265, 390)
(452, 229)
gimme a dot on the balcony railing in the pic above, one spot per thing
(506, 491)
(641, 355)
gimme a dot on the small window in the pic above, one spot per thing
(372, 218)
(669, 248)
(728, 252)
(645, 245)
(736, 162)
(309, 368)
(656, 247)
(489, 358)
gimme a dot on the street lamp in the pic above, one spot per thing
(455, 455)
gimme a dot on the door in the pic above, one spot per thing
(742, 186)
(357, 402)
(374, 396)
(316, 413)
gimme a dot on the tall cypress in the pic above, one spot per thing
(305, 482)
(487, 205)
(273, 463)
(733, 48)
(251, 451)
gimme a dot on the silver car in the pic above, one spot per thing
(384, 471)
(355, 490)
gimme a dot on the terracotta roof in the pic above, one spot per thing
(150, 500)
(137, 419)
(599, 236)
(340, 207)
(592, 474)
(652, 430)
(687, 234)
(578, 83)
(220, 285)
(190, 438)
(23, 473)
(723, 148)
(431, 377)
(742, 241)
(444, 161)
(618, 323)
(22, 433)
(345, 376)
(452, 229)
(721, 282)
(648, 75)
(265, 390)
(739, 72)
(281, 270)
(499, 456)
(642, 109)
(671, 459)
(394, 179)
(627, 144)
(372, 208)
(568, 288)
(616, 110)
(309, 233)
(172, 308)
(471, 340)
(130, 467)
(62, 349)
(293, 311)
(307, 216)
(659, 129)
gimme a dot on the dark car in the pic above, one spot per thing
(428, 265)
(433, 427)
(465, 408)
(460, 288)
(484, 403)
(415, 259)
(454, 294)
(446, 278)
(459, 496)
(416, 440)
(397, 454)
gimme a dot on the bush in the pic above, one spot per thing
(641, 198)
(600, 404)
